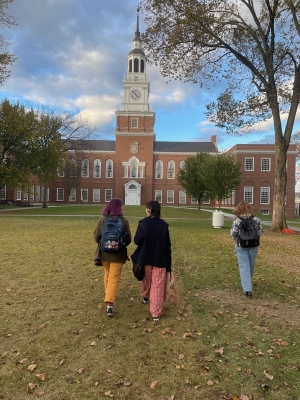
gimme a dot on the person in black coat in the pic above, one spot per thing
(154, 252)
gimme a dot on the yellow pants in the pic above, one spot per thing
(112, 274)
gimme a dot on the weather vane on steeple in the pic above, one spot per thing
(137, 33)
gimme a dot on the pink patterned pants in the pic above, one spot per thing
(153, 287)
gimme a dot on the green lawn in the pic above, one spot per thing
(56, 342)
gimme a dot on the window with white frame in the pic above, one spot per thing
(194, 201)
(181, 164)
(170, 196)
(133, 168)
(72, 195)
(73, 168)
(141, 171)
(3, 193)
(60, 194)
(265, 212)
(134, 123)
(158, 169)
(158, 196)
(248, 194)
(85, 168)
(32, 193)
(171, 170)
(126, 169)
(25, 197)
(61, 169)
(182, 197)
(97, 168)
(84, 195)
(249, 164)
(206, 199)
(109, 169)
(47, 194)
(96, 195)
(264, 195)
(266, 164)
(108, 195)
(19, 195)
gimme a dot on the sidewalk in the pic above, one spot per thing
(267, 223)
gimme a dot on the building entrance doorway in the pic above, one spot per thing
(133, 193)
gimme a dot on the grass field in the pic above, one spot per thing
(57, 343)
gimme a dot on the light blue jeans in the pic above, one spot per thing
(246, 259)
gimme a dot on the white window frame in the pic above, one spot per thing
(134, 170)
(182, 164)
(73, 168)
(158, 164)
(134, 122)
(182, 197)
(158, 196)
(248, 191)
(96, 195)
(265, 195)
(72, 195)
(3, 193)
(19, 195)
(108, 195)
(32, 193)
(61, 170)
(171, 170)
(108, 163)
(266, 162)
(247, 160)
(97, 164)
(170, 194)
(84, 196)
(25, 196)
(85, 166)
(194, 201)
(60, 194)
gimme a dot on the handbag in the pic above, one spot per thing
(171, 293)
(138, 271)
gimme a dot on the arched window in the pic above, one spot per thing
(109, 169)
(130, 66)
(181, 164)
(171, 169)
(136, 65)
(72, 168)
(142, 66)
(158, 169)
(85, 168)
(97, 168)
(133, 168)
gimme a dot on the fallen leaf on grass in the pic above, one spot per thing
(268, 376)
(31, 367)
(210, 383)
(243, 397)
(181, 356)
(41, 376)
(80, 371)
(93, 343)
(31, 386)
(110, 371)
(109, 393)
(41, 393)
(23, 361)
(220, 351)
(154, 385)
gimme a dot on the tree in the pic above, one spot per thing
(6, 59)
(17, 127)
(222, 174)
(47, 152)
(191, 177)
(253, 45)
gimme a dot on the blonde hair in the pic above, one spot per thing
(243, 208)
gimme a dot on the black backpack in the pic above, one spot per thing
(113, 235)
(248, 233)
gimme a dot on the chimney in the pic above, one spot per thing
(213, 140)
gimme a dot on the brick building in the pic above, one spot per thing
(137, 168)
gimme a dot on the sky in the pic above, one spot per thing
(72, 54)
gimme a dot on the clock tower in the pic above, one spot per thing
(135, 118)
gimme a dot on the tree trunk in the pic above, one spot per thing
(279, 217)
(45, 205)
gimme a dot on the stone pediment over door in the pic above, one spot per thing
(132, 193)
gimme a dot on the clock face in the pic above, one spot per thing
(135, 94)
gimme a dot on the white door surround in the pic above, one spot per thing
(132, 193)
